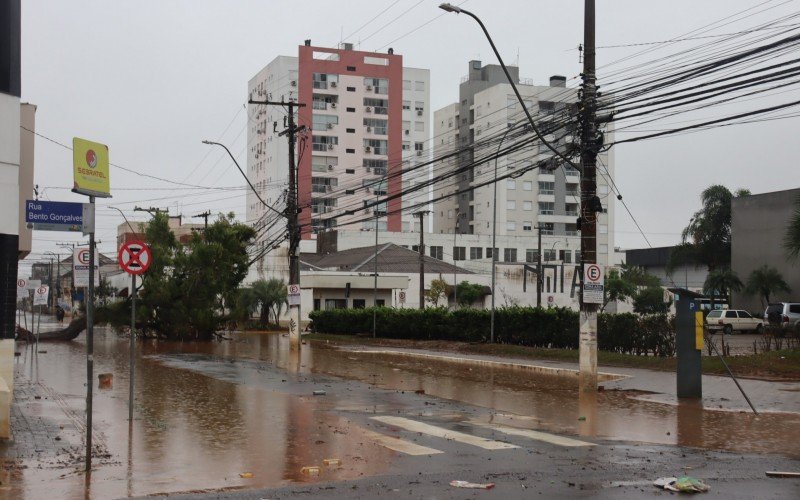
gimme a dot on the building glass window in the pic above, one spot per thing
(511, 184)
(547, 187)
(419, 86)
(527, 205)
(527, 186)
(475, 253)
(511, 205)
(511, 225)
(531, 255)
(527, 225)
(509, 255)
(437, 252)
(406, 84)
(546, 208)
(459, 253)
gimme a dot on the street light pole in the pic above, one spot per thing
(455, 283)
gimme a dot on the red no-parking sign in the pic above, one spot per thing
(135, 257)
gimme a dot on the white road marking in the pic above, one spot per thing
(432, 430)
(537, 435)
(400, 445)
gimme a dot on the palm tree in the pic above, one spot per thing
(271, 295)
(721, 281)
(707, 238)
(791, 241)
(764, 281)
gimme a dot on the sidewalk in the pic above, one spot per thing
(719, 392)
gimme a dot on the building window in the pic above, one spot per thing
(511, 184)
(509, 255)
(437, 252)
(548, 228)
(459, 253)
(527, 225)
(359, 304)
(324, 142)
(546, 208)
(350, 151)
(511, 205)
(419, 126)
(349, 170)
(335, 303)
(406, 84)
(602, 228)
(489, 252)
(351, 68)
(527, 186)
(419, 86)
(351, 89)
(531, 255)
(511, 225)
(549, 255)
(527, 205)
(406, 104)
(475, 253)
(323, 163)
(546, 187)
(418, 146)
(376, 167)
(351, 110)
(511, 102)
(351, 130)
(566, 256)
(602, 248)
(379, 85)
(376, 126)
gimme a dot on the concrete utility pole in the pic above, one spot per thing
(589, 201)
(539, 277)
(421, 214)
(292, 222)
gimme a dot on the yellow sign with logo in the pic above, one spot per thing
(90, 168)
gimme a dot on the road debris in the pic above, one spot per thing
(246, 475)
(467, 484)
(332, 461)
(311, 470)
(684, 484)
(319, 393)
(772, 473)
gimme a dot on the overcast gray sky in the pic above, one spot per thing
(153, 78)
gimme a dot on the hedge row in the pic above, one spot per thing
(529, 326)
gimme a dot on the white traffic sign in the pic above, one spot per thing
(135, 257)
(402, 297)
(40, 295)
(593, 283)
(80, 267)
(293, 294)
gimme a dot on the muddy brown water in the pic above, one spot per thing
(195, 430)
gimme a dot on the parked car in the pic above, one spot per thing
(733, 320)
(784, 315)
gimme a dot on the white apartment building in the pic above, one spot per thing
(366, 137)
(547, 197)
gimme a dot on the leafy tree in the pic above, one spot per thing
(791, 241)
(186, 286)
(105, 290)
(721, 282)
(468, 293)
(271, 296)
(650, 300)
(617, 288)
(436, 292)
(623, 286)
(707, 238)
(765, 281)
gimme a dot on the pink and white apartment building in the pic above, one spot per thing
(366, 118)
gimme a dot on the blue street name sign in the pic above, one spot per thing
(54, 215)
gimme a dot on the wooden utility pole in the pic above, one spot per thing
(421, 214)
(292, 222)
(205, 215)
(590, 204)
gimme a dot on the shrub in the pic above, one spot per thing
(528, 326)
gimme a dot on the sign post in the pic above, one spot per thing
(90, 177)
(40, 295)
(689, 345)
(134, 257)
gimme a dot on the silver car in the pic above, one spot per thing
(785, 315)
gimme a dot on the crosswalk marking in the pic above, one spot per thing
(537, 435)
(400, 445)
(432, 430)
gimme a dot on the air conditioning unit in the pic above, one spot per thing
(419, 153)
(407, 132)
(294, 83)
(333, 84)
(333, 105)
(330, 168)
(369, 129)
(419, 112)
(328, 209)
(368, 109)
(367, 149)
(330, 125)
(369, 87)
(329, 188)
(369, 170)
(330, 146)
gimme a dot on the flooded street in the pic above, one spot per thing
(209, 415)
